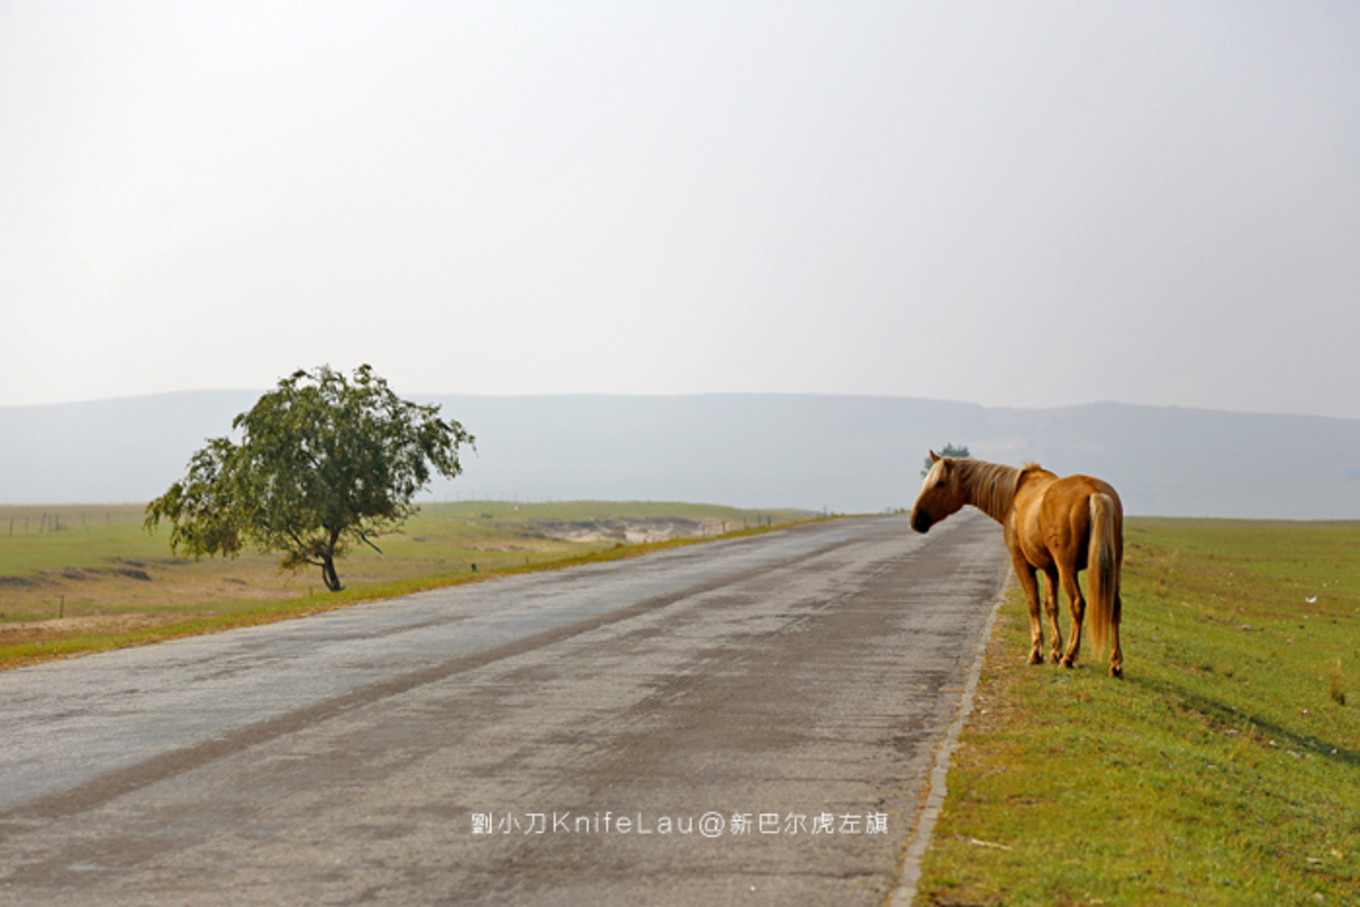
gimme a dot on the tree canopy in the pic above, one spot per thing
(949, 450)
(323, 462)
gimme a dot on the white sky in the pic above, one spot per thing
(1018, 204)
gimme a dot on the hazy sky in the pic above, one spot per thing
(1017, 204)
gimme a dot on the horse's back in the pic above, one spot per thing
(1076, 491)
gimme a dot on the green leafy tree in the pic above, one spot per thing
(323, 462)
(949, 450)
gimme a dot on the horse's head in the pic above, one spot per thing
(940, 494)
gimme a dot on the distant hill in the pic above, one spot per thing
(845, 454)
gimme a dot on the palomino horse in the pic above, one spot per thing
(1059, 526)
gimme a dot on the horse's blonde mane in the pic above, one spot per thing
(991, 487)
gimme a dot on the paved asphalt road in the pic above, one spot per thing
(745, 721)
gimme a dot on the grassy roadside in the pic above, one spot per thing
(1225, 768)
(92, 579)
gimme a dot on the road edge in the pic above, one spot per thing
(923, 831)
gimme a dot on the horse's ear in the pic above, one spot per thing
(934, 457)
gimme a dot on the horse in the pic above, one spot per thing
(1058, 525)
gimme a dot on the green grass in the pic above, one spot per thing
(87, 537)
(1225, 768)
(100, 581)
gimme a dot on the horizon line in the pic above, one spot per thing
(699, 394)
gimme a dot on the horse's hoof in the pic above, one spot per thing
(1117, 673)
(1068, 663)
(1035, 658)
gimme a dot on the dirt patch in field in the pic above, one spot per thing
(90, 574)
(20, 582)
(631, 531)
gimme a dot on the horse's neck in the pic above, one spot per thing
(991, 487)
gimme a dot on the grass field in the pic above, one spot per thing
(1225, 768)
(80, 578)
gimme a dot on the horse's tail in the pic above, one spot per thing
(1102, 571)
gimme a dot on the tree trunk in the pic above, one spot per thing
(328, 574)
(328, 560)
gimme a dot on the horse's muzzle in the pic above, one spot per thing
(920, 521)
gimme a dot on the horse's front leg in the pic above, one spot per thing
(1025, 573)
(1074, 598)
(1051, 607)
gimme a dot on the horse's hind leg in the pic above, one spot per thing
(1116, 654)
(1051, 606)
(1025, 573)
(1074, 597)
